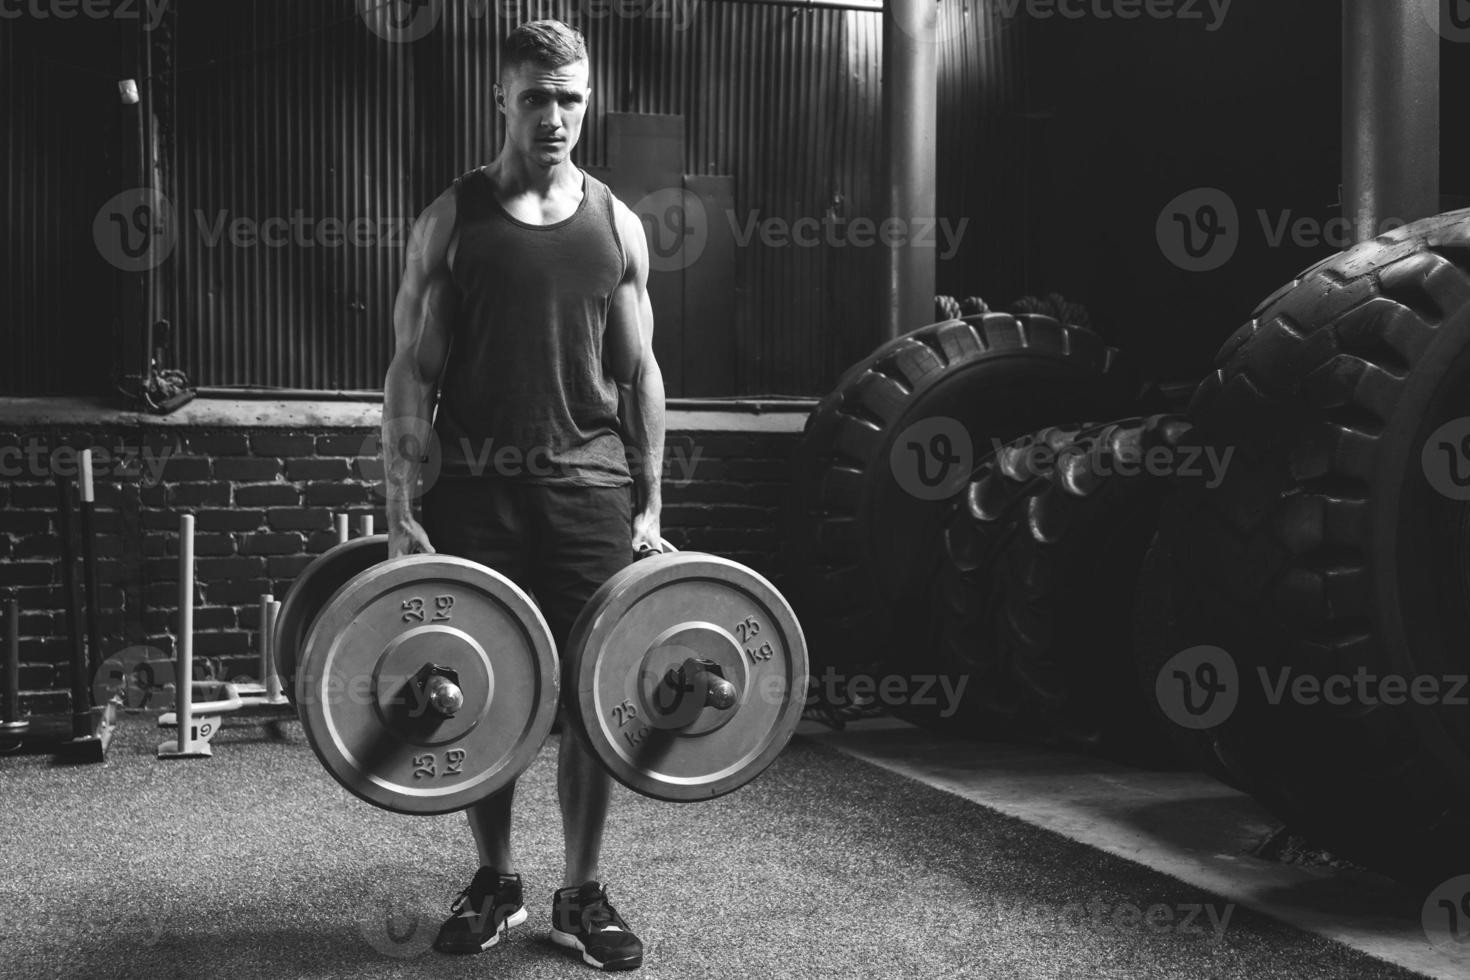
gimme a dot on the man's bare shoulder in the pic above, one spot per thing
(434, 227)
(630, 229)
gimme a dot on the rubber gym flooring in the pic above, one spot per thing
(256, 864)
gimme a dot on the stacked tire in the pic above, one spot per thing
(1320, 606)
(881, 457)
(1034, 602)
(1293, 614)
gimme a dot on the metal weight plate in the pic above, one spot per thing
(309, 594)
(427, 683)
(665, 611)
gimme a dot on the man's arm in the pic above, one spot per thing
(422, 319)
(629, 348)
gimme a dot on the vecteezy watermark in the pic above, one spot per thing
(1201, 688)
(1363, 687)
(415, 439)
(835, 232)
(677, 226)
(942, 692)
(36, 458)
(1108, 917)
(1446, 459)
(407, 21)
(1206, 464)
(1201, 229)
(932, 459)
(924, 23)
(1450, 18)
(401, 21)
(142, 676)
(399, 914)
(678, 13)
(1446, 917)
(136, 230)
(301, 230)
(150, 12)
(1198, 688)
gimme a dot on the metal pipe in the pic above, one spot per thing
(911, 120)
(11, 720)
(81, 697)
(184, 674)
(273, 693)
(743, 403)
(89, 567)
(1390, 114)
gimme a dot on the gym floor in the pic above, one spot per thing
(256, 864)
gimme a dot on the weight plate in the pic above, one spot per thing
(657, 614)
(366, 713)
(310, 592)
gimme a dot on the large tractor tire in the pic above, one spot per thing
(1338, 545)
(1035, 601)
(860, 544)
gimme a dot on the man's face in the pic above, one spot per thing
(543, 110)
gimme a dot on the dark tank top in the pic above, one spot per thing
(525, 395)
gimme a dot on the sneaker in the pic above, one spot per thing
(482, 913)
(583, 919)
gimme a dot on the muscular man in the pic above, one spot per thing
(524, 302)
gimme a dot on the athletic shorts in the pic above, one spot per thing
(558, 543)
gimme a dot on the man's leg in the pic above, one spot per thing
(490, 824)
(585, 536)
(583, 787)
(480, 519)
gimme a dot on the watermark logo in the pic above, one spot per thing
(942, 692)
(1199, 230)
(1446, 459)
(933, 458)
(150, 12)
(142, 676)
(1363, 688)
(1106, 916)
(935, 23)
(1449, 18)
(679, 13)
(401, 21)
(677, 226)
(414, 441)
(834, 232)
(1446, 917)
(991, 18)
(36, 458)
(1033, 460)
(136, 230)
(1198, 688)
(302, 230)
(397, 915)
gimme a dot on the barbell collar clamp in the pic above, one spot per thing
(703, 680)
(439, 688)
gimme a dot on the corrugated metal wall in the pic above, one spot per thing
(319, 116)
(991, 140)
(294, 115)
(59, 119)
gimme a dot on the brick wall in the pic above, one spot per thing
(265, 496)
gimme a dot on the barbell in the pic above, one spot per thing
(427, 683)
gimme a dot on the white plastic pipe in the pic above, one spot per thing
(184, 671)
